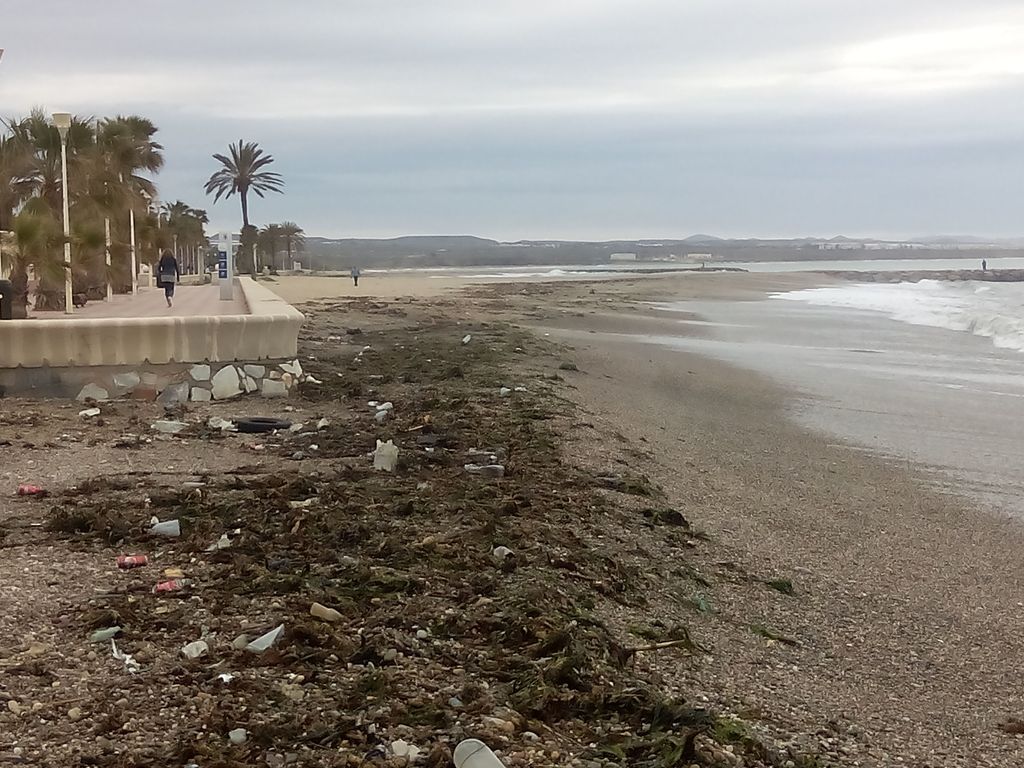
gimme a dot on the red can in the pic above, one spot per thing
(172, 585)
(32, 490)
(131, 561)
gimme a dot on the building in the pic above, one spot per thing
(623, 257)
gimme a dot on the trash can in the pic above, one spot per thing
(6, 300)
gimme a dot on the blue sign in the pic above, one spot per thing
(222, 265)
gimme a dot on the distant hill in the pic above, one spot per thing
(466, 250)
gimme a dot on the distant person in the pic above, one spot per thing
(355, 276)
(984, 265)
(167, 275)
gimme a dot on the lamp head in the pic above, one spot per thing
(62, 122)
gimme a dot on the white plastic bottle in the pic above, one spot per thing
(473, 753)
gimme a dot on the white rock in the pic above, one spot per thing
(88, 413)
(169, 426)
(294, 368)
(201, 395)
(250, 384)
(200, 372)
(226, 383)
(288, 380)
(238, 736)
(388, 406)
(272, 388)
(381, 416)
(256, 371)
(195, 649)
(129, 380)
(93, 392)
(311, 379)
(323, 423)
(324, 613)
(500, 553)
(504, 392)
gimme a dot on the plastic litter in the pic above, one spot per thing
(265, 641)
(504, 392)
(473, 753)
(224, 425)
(388, 406)
(170, 528)
(224, 542)
(385, 458)
(102, 635)
(195, 649)
(381, 416)
(323, 424)
(467, 338)
(486, 470)
(171, 585)
(32, 490)
(125, 562)
(305, 503)
(131, 665)
(88, 413)
(500, 553)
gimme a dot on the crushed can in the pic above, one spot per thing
(171, 585)
(131, 561)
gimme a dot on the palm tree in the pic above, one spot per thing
(268, 240)
(294, 236)
(241, 173)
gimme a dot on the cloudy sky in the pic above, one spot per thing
(561, 118)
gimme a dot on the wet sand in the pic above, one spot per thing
(907, 602)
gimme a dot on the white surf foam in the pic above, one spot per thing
(992, 310)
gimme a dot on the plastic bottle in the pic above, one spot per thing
(473, 753)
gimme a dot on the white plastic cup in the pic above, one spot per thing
(167, 528)
(473, 753)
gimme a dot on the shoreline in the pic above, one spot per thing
(907, 599)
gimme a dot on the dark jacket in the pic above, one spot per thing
(166, 266)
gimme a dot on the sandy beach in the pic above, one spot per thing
(678, 542)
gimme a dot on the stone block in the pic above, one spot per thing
(226, 383)
(256, 371)
(93, 392)
(128, 380)
(273, 388)
(294, 368)
(174, 394)
(250, 384)
(201, 395)
(200, 372)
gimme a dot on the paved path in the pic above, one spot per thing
(189, 301)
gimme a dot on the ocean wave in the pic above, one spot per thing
(994, 311)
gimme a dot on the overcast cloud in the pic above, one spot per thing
(561, 118)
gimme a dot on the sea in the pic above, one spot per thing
(930, 373)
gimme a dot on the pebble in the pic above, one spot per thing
(75, 714)
(238, 736)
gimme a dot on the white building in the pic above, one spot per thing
(623, 257)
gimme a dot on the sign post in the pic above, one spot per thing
(225, 267)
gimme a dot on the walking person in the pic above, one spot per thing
(167, 275)
(355, 276)
(984, 265)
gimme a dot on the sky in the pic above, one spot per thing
(572, 119)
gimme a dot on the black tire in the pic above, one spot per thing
(256, 424)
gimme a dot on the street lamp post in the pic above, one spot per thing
(62, 121)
